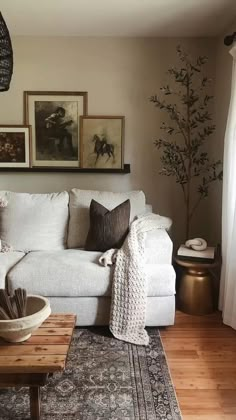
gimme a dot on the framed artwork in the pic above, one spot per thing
(102, 142)
(15, 146)
(55, 121)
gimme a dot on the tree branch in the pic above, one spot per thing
(195, 207)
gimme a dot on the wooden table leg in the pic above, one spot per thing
(35, 402)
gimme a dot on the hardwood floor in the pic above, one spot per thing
(201, 354)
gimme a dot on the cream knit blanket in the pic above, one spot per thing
(129, 288)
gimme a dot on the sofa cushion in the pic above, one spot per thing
(62, 273)
(77, 273)
(79, 210)
(33, 222)
(7, 261)
(108, 229)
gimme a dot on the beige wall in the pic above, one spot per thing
(119, 75)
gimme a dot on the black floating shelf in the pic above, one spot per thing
(125, 170)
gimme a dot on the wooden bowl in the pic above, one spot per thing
(20, 329)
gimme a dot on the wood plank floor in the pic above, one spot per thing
(201, 354)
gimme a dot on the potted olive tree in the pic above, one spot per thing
(185, 134)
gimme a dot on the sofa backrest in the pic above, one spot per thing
(38, 222)
(33, 222)
(79, 204)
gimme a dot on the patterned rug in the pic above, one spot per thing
(104, 379)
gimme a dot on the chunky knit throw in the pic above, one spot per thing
(129, 288)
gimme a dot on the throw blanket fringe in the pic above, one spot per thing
(129, 287)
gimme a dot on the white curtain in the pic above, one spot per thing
(228, 274)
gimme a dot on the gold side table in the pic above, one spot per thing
(196, 293)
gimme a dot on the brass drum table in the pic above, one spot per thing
(196, 289)
(31, 362)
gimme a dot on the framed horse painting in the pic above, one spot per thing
(55, 118)
(102, 142)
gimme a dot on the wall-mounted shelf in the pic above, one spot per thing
(125, 170)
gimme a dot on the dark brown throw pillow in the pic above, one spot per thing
(108, 229)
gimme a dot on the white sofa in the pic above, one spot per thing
(47, 233)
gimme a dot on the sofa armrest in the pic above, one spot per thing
(158, 247)
(7, 261)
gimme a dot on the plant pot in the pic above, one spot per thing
(20, 329)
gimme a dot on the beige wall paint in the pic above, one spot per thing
(119, 74)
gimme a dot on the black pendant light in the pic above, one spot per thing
(6, 56)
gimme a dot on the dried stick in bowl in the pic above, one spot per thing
(3, 315)
(21, 299)
(6, 305)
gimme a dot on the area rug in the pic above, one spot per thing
(104, 379)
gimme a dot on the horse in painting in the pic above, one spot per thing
(102, 148)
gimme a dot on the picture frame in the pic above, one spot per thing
(55, 120)
(102, 142)
(15, 146)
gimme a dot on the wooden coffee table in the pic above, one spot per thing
(31, 362)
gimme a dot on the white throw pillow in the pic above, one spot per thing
(79, 210)
(34, 222)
